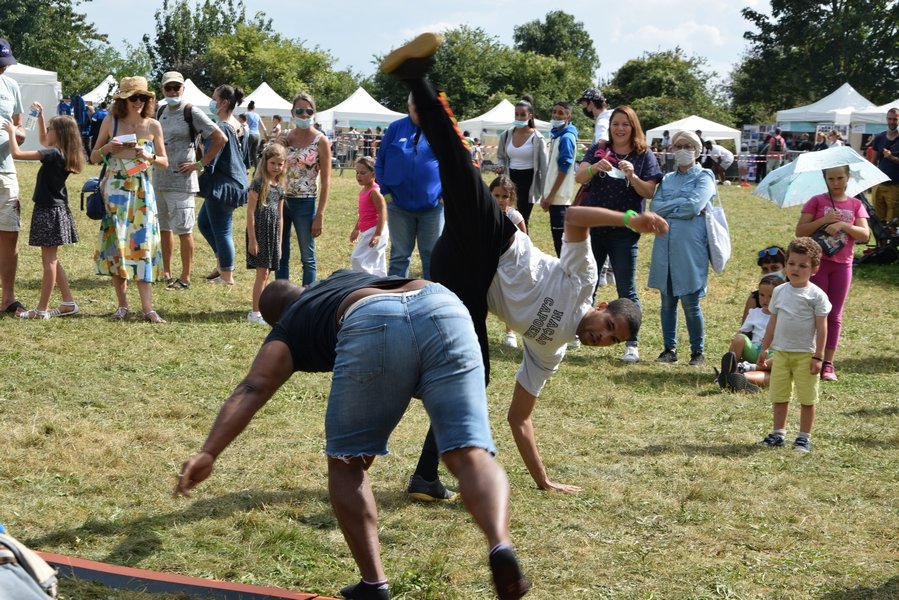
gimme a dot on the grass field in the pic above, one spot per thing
(678, 502)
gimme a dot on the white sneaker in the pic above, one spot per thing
(745, 366)
(631, 355)
(255, 318)
(575, 344)
(510, 341)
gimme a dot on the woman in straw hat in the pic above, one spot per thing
(129, 246)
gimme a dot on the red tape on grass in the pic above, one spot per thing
(142, 580)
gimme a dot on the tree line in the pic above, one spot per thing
(796, 55)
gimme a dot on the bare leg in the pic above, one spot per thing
(227, 276)
(145, 289)
(121, 290)
(759, 378)
(780, 415)
(9, 262)
(806, 418)
(484, 489)
(736, 346)
(48, 281)
(259, 285)
(354, 505)
(187, 256)
(168, 247)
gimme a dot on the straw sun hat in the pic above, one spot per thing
(129, 86)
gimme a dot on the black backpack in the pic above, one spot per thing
(192, 131)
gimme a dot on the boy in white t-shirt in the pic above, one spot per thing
(797, 329)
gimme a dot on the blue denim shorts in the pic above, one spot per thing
(392, 348)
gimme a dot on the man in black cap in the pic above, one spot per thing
(10, 110)
(594, 105)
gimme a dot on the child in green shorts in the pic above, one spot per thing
(797, 329)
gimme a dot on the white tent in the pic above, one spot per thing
(268, 103)
(36, 85)
(710, 130)
(193, 95)
(359, 110)
(497, 120)
(836, 107)
(876, 115)
(103, 92)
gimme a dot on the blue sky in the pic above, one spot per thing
(353, 31)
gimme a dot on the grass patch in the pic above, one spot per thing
(677, 503)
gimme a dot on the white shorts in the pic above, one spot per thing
(176, 211)
(10, 208)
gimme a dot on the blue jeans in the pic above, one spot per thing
(391, 348)
(405, 228)
(620, 245)
(215, 223)
(298, 212)
(693, 315)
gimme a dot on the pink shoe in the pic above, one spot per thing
(828, 373)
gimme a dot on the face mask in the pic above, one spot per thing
(520, 124)
(556, 123)
(684, 158)
(172, 101)
(302, 123)
(587, 112)
(213, 107)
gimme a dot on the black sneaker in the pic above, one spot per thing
(773, 441)
(697, 359)
(728, 366)
(668, 356)
(364, 591)
(510, 583)
(413, 60)
(802, 444)
(428, 491)
(737, 382)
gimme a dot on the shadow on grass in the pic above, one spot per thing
(868, 365)
(143, 540)
(884, 411)
(888, 591)
(218, 316)
(723, 450)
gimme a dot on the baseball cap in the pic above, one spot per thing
(170, 76)
(6, 57)
(591, 95)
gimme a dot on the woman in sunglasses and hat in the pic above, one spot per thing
(130, 141)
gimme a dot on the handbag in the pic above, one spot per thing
(23, 574)
(718, 234)
(830, 244)
(96, 202)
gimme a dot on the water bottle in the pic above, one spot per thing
(31, 120)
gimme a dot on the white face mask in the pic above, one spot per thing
(302, 123)
(556, 123)
(684, 158)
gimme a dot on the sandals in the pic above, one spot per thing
(153, 317)
(120, 313)
(215, 273)
(73, 307)
(177, 285)
(34, 313)
(15, 308)
(219, 281)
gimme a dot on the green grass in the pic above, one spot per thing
(677, 503)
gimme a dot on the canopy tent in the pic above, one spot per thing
(103, 92)
(268, 103)
(359, 110)
(497, 120)
(710, 130)
(193, 95)
(36, 85)
(876, 115)
(837, 107)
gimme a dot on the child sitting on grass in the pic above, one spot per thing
(797, 329)
(738, 370)
(771, 261)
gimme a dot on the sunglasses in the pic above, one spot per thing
(172, 87)
(138, 98)
(304, 111)
(772, 251)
